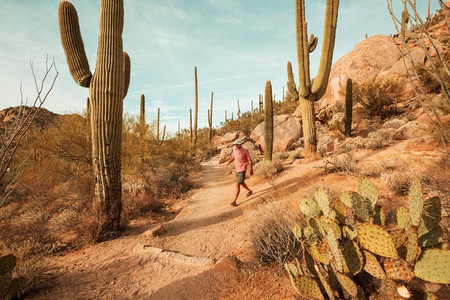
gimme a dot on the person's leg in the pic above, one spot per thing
(244, 185)
(238, 189)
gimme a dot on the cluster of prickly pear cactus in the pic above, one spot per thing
(9, 287)
(346, 243)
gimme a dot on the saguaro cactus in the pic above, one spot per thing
(261, 103)
(348, 107)
(268, 114)
(157, 126)
(210, 117)
(238, 113)
(196, 107)
(313, 91)
(292, 92)
(107, 88)
(405, 20)
(142, 118)
(190, 125)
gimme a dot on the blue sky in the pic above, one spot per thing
(237, 45)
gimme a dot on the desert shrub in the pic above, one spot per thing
(397, 181)
(270, 232)
(281, 155)
(428, 75)
(345, 162)
(268, 169)
(378, 97)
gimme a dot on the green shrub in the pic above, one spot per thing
(378, 97)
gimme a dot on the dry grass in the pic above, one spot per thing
(257, 282)
(271, 231)
(268, 169)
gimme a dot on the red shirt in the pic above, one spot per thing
(241, 159)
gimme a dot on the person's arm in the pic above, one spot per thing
(230, 161)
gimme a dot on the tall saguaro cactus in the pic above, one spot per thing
(210, 117)
(107, 88)
(142, 118)
(292, 92)
(196, 107)
(313, 91)
(268, 114)
(405, 20)
(238, 113)
(157, 126)
(348, 107)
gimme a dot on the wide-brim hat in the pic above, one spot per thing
(238, 142)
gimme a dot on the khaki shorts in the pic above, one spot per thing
(240, 177)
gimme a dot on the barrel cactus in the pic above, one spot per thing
(108, 86)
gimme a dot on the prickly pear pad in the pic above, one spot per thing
(376, 239)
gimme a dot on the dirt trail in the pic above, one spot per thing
(176, 265)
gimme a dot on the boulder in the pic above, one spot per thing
(225, 155)
(417, 55)
(287, 130)
(229, 137)
(367, 59)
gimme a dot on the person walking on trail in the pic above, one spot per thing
(242, 159)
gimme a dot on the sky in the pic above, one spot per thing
(236, 45)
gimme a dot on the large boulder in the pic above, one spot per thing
(370, 57)
(286, 131)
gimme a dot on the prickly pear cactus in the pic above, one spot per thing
(10, 287)
(342, 237)
(376, 239)
(433, 266)
(415, 202)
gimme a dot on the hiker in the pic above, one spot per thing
(242, 158)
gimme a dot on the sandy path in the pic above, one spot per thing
(175, 265)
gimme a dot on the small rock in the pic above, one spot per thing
(228, 264)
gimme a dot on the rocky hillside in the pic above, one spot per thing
(43, 117)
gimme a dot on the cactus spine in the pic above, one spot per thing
(196, 107)
(107, 88)
(292, 94)
(313, 91)
(348, 108)
(268, 114)
(210, 117)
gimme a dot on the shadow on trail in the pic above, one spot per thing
(194, 287)
(181, 226)
(286, 187)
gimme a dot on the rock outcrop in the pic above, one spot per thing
(287, 130)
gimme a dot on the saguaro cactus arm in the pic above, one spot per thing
(72, 43)
(320, 83)
(312, 44)
(302, 48)
(126, 73)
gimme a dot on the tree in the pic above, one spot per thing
(13, 133)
